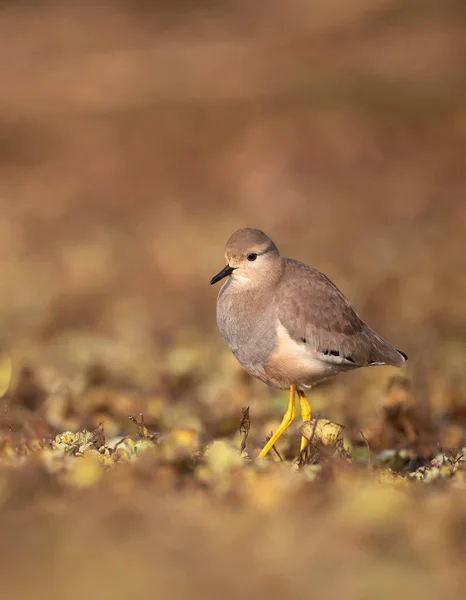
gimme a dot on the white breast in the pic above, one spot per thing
(299, 363)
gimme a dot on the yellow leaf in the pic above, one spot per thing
(85, 472)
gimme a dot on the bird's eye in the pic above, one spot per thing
(252, 256)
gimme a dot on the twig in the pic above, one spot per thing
(244, 427)
(273, 447)
(98, 436)
(143, 432)
(369, 453)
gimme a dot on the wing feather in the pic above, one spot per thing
(314, 311)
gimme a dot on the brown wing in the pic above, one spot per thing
(314, 311)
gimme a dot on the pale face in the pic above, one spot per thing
(252, 258)
(251, 265)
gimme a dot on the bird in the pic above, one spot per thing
(288, 325)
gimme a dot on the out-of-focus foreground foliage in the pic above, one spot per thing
(134, 138)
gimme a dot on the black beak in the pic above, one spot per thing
(223, 273)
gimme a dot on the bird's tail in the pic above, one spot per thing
(383, 353)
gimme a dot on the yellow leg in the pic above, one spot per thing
(288, 418)
(305, 414)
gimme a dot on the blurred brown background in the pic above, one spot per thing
(136, 136)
